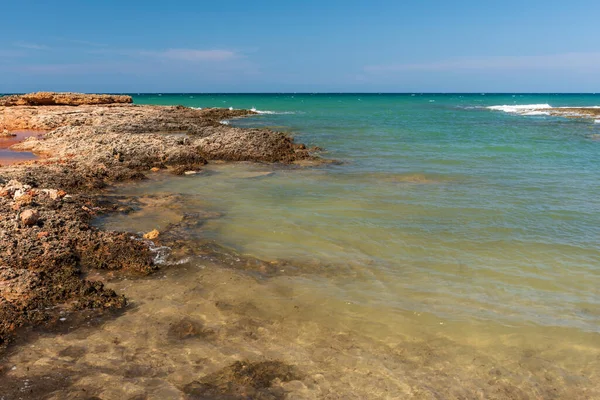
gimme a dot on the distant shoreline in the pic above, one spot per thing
(332, 93)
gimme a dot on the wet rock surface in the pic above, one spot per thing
(47, 244)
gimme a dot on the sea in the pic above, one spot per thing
(452, 251)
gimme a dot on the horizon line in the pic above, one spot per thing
(300, 93)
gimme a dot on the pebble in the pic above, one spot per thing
(29, 217)
(153, 234)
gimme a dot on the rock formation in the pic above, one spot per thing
(46, 240)
(62, 99)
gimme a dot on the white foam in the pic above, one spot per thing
(179, 262)
(224, 122)
(539, 109)
(258, 111)
(161, 253)
(271, 112)
(524, 109)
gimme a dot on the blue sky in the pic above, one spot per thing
(300, 46)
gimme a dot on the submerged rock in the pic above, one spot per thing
(187, 328)
(244, 380)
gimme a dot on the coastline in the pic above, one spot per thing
(47, 205)
(227, 317)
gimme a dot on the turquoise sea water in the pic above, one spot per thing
(446, 223)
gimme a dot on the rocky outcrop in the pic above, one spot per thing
(62, 99)
(46, 240)
(234, 144)
(138, 136)
(119, 118)
(46, 243)
(573, 112)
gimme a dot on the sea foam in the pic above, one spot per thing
(272, 112)
(525, 109)
(538, 109)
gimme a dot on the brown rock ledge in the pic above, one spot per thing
(62, 99)
(574, 112)
(43, 260)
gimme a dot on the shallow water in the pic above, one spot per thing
(8, 156)
(454, 254)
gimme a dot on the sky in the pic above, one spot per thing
(300, 46)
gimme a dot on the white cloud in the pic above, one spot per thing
(31, 46)
(193, 54)
(568, 61)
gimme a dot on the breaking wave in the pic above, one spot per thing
(526, 109)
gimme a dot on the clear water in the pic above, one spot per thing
(456, 210)
(455, 253)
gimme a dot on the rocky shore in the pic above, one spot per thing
(47, 244)
(572, 112)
